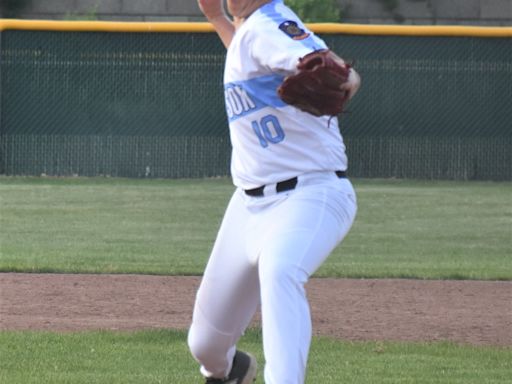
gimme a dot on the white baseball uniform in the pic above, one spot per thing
(270, 242)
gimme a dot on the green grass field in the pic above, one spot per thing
(162, 357)
(430, 230)
(415, 229)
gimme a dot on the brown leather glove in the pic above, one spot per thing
(316, 88)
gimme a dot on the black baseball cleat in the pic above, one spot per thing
(242, 372)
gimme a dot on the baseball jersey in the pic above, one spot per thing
(273, 141)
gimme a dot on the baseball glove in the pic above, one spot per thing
(316, 88)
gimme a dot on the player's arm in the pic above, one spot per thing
(215, 13)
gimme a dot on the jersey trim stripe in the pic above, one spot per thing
(248, 96)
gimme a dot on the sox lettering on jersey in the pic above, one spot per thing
(238, 101)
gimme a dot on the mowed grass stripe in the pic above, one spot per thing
(413, 229)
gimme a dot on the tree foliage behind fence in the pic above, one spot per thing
(151, 105)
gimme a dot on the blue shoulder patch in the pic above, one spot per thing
(291, 28)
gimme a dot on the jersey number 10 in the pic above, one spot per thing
(268, 130)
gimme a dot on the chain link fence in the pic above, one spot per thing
(151, 105)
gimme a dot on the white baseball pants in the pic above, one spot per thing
(266, 249)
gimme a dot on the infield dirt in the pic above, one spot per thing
(469, 312)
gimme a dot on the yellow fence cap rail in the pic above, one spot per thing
(412, 30)
(103, 26)
(199, 27)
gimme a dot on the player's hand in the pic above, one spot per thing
(212, 9)
(353, 83)
(351, 86)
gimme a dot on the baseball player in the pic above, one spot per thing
(293, 203)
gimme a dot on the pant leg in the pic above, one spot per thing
(227, 297)
(307, 227)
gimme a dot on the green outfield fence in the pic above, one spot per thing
(146, 100)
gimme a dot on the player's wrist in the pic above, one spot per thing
(218, 18)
